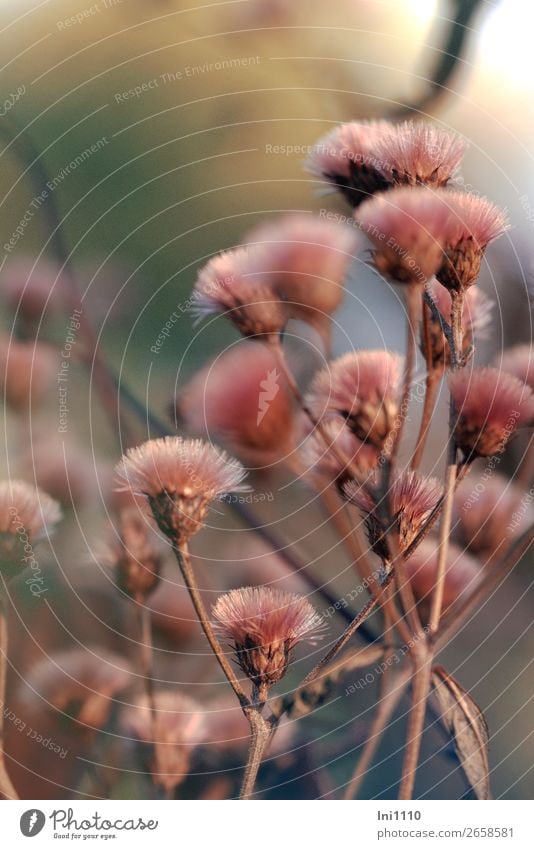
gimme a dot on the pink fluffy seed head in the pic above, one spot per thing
(416, 153)
(363, 388)
(229, 284)
(490, 406)
(180, 477)
(322, 459)
(408, 229)
(518, 361)
(26, 515)
(264, 626)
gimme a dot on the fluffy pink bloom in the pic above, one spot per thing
(229, 284)
(27, 371)
(361, 158)
(26, 515)
(408, 228)
(305, 259)
(518, 361)
(180, 477)
(345, 158)
(254, 416)
(264, 626)
(79, 682)
(180, 728)
(489, 405)
(476, 319)
(131, 553)
(489, 512)
(461, 576)
(416, 153)
(322, 465)
(412, 498)
(363, 387)
(475, 222)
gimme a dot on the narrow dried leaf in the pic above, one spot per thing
(468, 727)
(306, 699)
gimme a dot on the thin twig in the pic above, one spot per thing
(436, 602)
(432, 382)
(259, 739)
(184, 561)
(6, 787)
(421, 681)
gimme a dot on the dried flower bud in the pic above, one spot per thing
(131, 553)
(26, 515)
(408, 228)
(489, 512)
(254, 416)
(322, 465)
(345, 158)
(80, 683)
(229, 283)
(180, 477)
(476, 317)
(462, 575)
(27, 370)
(264, 626)
(518, 361)
(474, 224)
(363, 388)
(179, 727)
(362, 158)
(489, 407)
(411, 497)
(305, 259)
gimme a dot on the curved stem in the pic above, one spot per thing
(421, 682)
(184, 561)
(433, 379)
(412, 302)
(436, 602)
(6, 787)
(260, 734)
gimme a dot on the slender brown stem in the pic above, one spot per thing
(436, 602)
(525, 471)
(421, 681)
(412, 303)
(457, 308)
(351, 538)
(184, 561)
(433, 380)
(6, 787)
(391, 692)
(260, 734)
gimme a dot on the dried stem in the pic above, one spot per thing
(421, 681)
(436, 603)
(260, 734)
(6, 787)
(433, 379)
(412, 303)
(391, 691)
(457, 308)
(184, 561)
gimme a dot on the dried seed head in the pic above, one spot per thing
(180, 728)
(131, 553)
(80, 683)
(323, 466)
(264, 626)
(408, 228)
(474, 224)
(476, 319)
(489, 407)
(253, 416)
(411, 498)
(363, 388)
(26, 515)
(345, 158)
(489, 513)
(518, 361)
(27, 370)
(415, 153)
(305, 260)
(180, 477)
(462, 575)
(229, 283)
